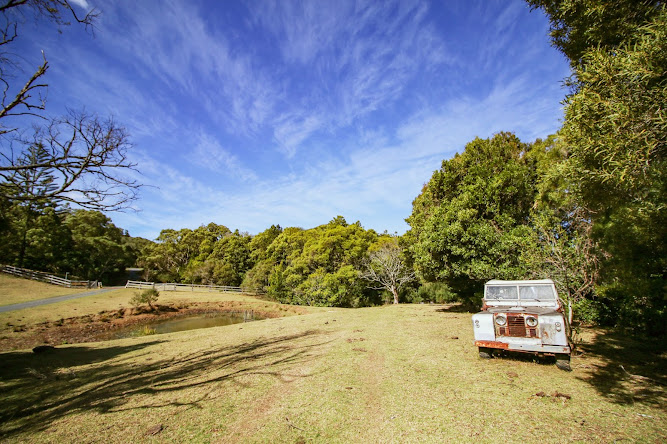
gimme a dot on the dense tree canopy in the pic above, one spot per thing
(81, 243)
(470, 221)
(615, 135)
(578, 25)
(319, 266)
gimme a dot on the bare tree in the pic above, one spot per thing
(86, 156)
(386, 270)
(29, 98)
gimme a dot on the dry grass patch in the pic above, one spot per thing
(386, 374)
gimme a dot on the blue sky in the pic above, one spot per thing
(253, 113)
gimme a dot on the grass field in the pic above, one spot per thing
(14, 290)
(399, 374)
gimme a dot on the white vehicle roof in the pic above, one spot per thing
(529, 282)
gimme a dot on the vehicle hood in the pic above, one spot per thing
(527, 310)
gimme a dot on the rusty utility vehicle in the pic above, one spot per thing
(522, 316)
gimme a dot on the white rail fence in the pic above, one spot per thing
(185, 287)
(48, 278)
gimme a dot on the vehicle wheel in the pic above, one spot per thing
(563, 362)
(485, 353)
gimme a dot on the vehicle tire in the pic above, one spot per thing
(485, 353)
(563, 362)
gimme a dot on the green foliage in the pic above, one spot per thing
(259, 244)
(148, 296)
(311, 267)
(437, 292)
(470, 220)
(616, 138)
(179, 256)
(277, 288)
(39, 235)
(257, 278)
(317, 266)
(577, 25)
(615, 125)
(98, 250)
(616, 122)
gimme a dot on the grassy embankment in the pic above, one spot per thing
(79, 320)
(387, 374)
(14, 290)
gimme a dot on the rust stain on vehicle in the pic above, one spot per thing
(492, 344)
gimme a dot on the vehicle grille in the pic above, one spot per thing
(516, 327)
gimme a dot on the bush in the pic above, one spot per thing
(589, 312)
(437, 292)
(148, 296)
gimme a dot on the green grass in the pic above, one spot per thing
(388, 374)
(15, 290)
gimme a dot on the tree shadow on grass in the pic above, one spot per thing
(626, 370)
(456, 308)
(39, 389)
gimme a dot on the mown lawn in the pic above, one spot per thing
(404, 373)
(15, 290)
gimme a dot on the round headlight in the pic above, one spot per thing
(531, 321)
(501, 320)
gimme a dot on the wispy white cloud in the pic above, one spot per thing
(179, 46)
(292, 112)
(358, 57)
(81, 3)
(209, 154)
(293, 129)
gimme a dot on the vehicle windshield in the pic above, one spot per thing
(501, 292)
(525, 292)
(537, 292)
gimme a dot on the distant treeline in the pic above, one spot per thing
(79, 243)
(318, 266)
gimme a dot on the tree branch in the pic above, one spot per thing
(87, 157)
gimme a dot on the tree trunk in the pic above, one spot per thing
(395, 293)
(24, 237)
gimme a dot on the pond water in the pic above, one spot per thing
(186, 323)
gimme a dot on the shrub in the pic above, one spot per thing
(148, 296)
(437, 292)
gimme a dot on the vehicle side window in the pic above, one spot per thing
(501, 292)
(539, 292)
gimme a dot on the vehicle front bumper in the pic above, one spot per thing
(533, 348)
